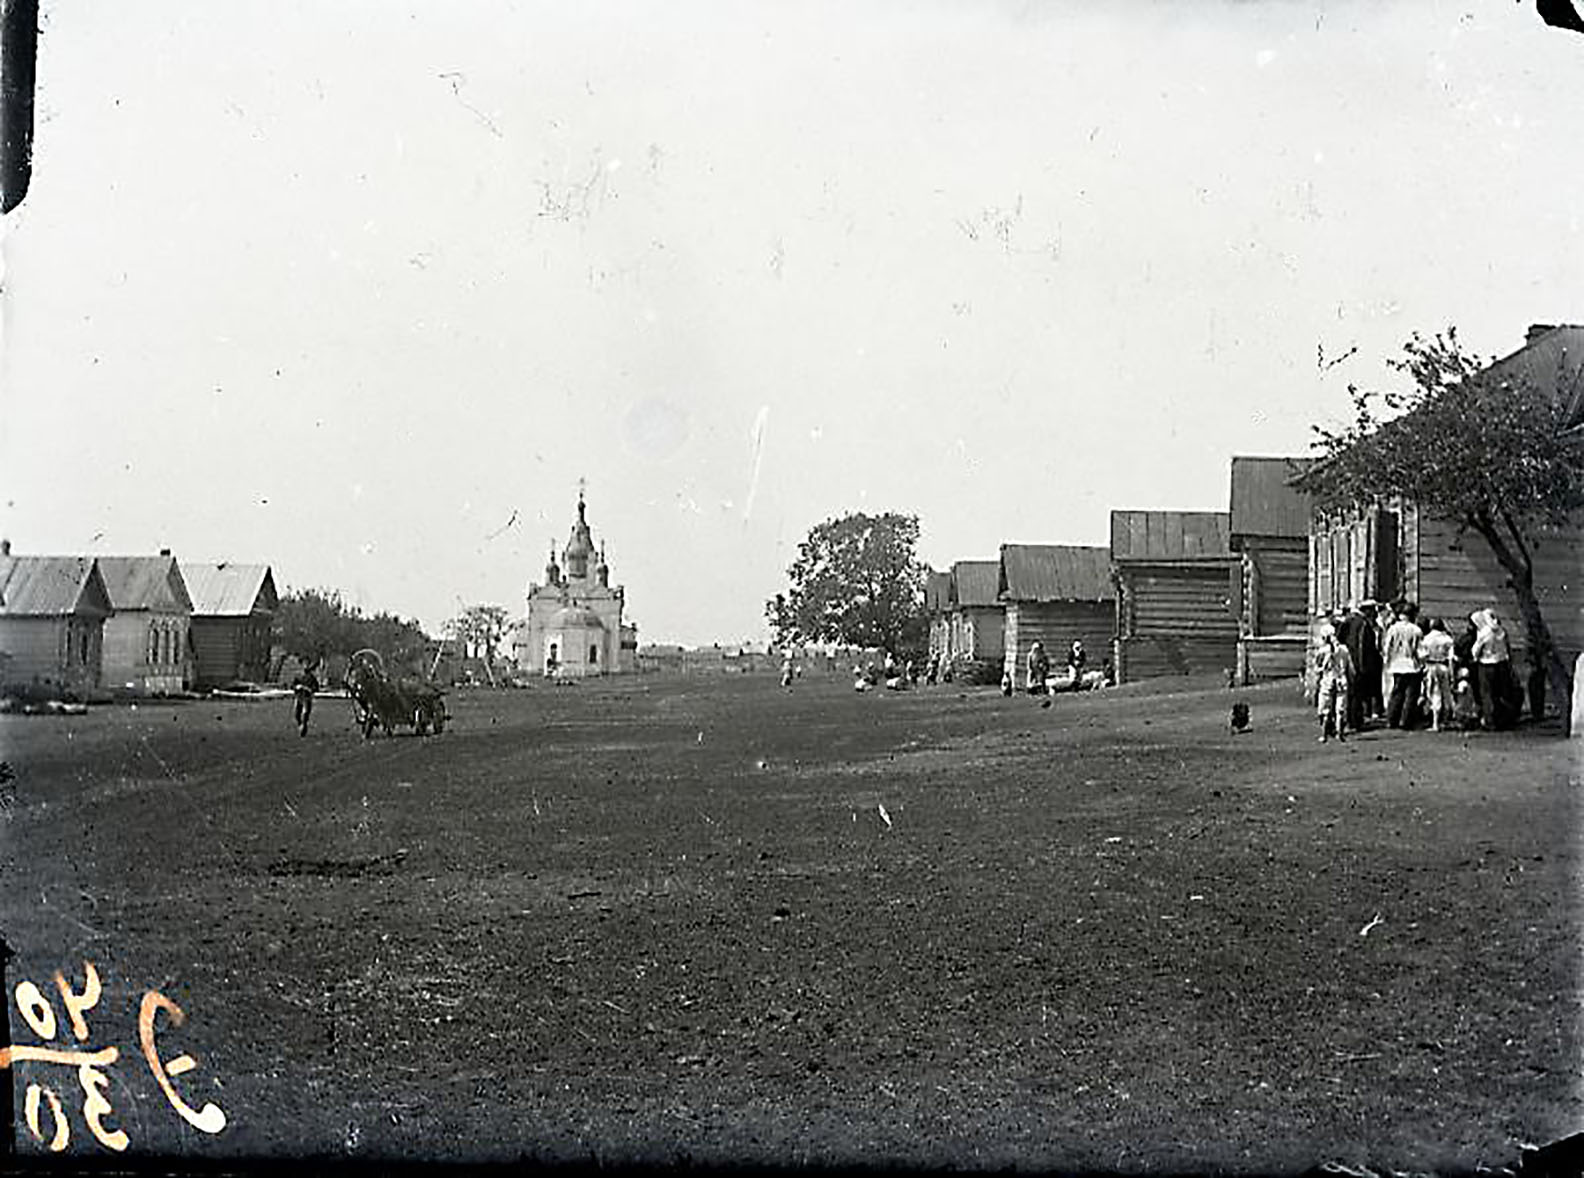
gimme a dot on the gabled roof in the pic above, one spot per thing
(937, 592)
(144, 582)
(1551, 358)
(230, 590)
(975, 583)
(1055, 572)
(1170, 535)
(51, 586)
(1263, 504)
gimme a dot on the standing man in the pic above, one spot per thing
(1401, 652)
(303, 688)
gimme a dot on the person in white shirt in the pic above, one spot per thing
(1400, 650)
(1435, 652)
(1493, 665)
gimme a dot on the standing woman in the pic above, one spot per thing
(1435, 652)
(1494, 659)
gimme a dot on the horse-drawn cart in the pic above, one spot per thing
(381, 700)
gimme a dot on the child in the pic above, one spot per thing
(1334, 670)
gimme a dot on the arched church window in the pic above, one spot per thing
(593, 656)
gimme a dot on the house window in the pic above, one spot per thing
(82, 644)
(153, 645)
(593, 656)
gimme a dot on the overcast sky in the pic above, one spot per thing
(361, 290)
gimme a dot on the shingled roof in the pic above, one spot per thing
(144, 582)
(1055, 572)
(976, 583)
(52, 586)
(1263, 504)
(230, 590)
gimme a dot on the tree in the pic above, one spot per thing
(483, 626)
(856, 581)
(313, 623)
(1490, 450)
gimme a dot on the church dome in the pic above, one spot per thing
(573, 617)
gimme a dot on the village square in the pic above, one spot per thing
(977, 587)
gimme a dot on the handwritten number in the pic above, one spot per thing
(211, 1118)
(94, 1082)
(35, 1008)
(77, 1003)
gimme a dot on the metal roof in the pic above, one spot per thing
(144, 582)
(230, 590)
(1170, 535)
(1262, 502)
(976, 583)
(51, 586)
(1055, 572)
(1552, 359)
(937, 592)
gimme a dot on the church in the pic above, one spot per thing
(573, 627)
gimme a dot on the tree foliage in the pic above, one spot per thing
(311, 624)
(1488, 448)
(857, 581)
(484, 627)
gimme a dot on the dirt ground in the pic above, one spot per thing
(704, 919)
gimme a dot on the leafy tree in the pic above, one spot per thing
(1490, 450)
(483, 626)
(311, 623)
(314, 623)
(857, 581)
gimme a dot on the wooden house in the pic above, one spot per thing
(147, 640)
(1399, 548)
(1056, 594)
(52, 616)
(1270, 534)
(937, 610)
(1178, 590)
(233, 608)
(976, 617)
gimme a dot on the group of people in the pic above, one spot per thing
(1379, 664)
(1039, 680)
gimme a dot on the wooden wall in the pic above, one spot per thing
(1458, 574)
(50, 650)
(1057, 624)
(978, 632)
(229, 648)
(127, 649)
(1177, 619)
(1275, 586)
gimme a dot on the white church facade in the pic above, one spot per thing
(573, 627)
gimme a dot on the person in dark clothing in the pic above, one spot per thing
(1463, 655)
(1367, 665)
(303, 688)
(1350, 631)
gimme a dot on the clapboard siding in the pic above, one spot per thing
(1057, 624)
(230, 648)
(128, 646)
(1459, 574)
(66, 651)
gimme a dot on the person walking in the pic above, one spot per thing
(1401, 653)
(1333, 673)
(303, 688)
(1435, 655)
